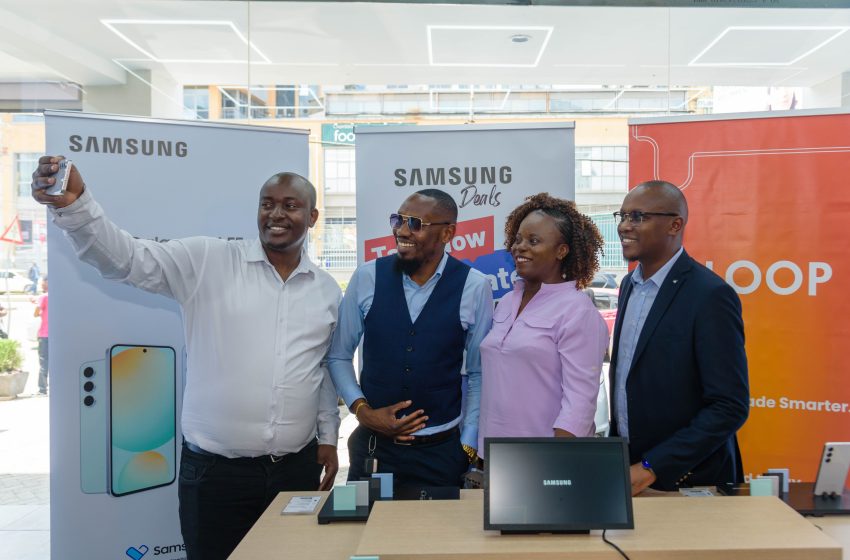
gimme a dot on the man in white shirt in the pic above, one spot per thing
(258, 318)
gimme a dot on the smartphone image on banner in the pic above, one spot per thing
(142, 418)
(93, 438)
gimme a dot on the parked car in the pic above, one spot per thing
(605, 300)
(13, 281)
(604, 280)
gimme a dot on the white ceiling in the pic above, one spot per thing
(199, 42)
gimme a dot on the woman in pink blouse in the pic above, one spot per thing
(542, 360)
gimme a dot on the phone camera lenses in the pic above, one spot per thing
(88, 401)
(88, 387)
(828, 460)
(88, 372)
(144, 350)
(829, 449)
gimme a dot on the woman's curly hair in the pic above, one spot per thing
(579, 233)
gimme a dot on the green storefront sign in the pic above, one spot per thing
(343, 134)
(338, 134)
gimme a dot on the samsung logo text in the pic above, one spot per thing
(127, 146)
(441, 176)
(557, 482)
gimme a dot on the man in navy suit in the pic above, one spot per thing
(679, 381)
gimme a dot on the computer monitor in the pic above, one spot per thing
(558, 485)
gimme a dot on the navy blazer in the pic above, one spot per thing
(687, 390)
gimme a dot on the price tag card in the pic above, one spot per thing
(696, 492)
(300, 505)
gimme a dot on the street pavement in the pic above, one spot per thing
(24, 449)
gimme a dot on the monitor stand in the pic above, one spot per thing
(520, 532)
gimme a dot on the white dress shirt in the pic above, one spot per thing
(256, 380)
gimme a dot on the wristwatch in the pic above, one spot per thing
(645, 464)
(471, 452)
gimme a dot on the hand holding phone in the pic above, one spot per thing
(56, 181)
(58, 188)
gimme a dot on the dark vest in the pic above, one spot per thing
(420, 361)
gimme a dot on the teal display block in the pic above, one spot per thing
(345, 498)
(386, 484)
(761, 487)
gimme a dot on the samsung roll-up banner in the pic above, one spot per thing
(487, 169)
(117, 353)
(768, 213)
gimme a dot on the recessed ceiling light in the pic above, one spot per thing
(520, 38)
(112, 24)
(838, 31)
(508, 28)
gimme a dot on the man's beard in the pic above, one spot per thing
(408, 267)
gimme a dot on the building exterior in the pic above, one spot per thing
(21, 144)
(331, 114)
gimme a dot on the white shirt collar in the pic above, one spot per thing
(256, 253)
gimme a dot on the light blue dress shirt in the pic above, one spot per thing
(476, 317)
(640, 303)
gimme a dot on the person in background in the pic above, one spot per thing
(542, 360)
(33, 274)
(3, 313)
(41, 312)
(419, 312)
(679, 384)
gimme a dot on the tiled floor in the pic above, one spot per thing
(24, 489)
(25, 532)
(24, 480)
(25, 453)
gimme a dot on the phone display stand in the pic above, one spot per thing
(801, 497)
(330, 515)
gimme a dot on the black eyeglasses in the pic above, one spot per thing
(637, 217)
(414, 223)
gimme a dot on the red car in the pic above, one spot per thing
(605, 300)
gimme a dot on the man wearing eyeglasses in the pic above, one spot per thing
(679, 381)
(417, 311)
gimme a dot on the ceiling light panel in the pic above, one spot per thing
(765, 46)
(195, 41)
(490, 46)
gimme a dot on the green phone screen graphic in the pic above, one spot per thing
(142, 418)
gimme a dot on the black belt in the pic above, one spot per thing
(271, 458)
(430, 438)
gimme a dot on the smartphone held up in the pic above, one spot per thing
(61, 176)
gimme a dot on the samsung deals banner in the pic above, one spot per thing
(117, 355)
(487, 169)
(768, 213)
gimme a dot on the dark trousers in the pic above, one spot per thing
(42, 364)
(430, 464)
(221, 499)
